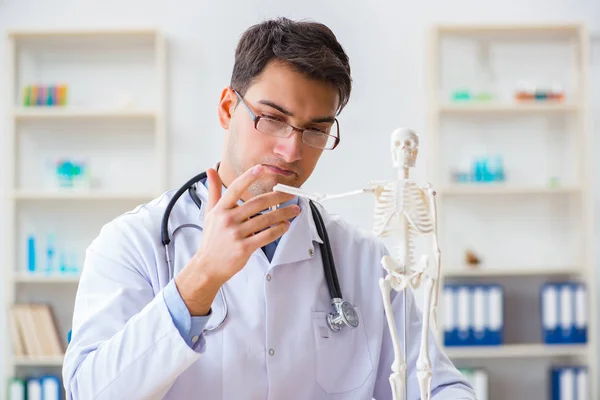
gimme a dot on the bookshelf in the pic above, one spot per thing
(521, 92)
(113, 123)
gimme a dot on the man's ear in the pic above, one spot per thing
(226, 105)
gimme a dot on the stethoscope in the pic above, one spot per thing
(344, 313)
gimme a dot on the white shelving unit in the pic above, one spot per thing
(505, 190)
(514, 271)
(526, 230)
(517, 351)
(91, 196)
(38, 361)
(114, 119)
(498, 108)
(24, 113)
(26, 278)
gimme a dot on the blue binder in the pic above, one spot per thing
(474, 315)
(495, 315)
(51, 387)
(450, 321)
(34, 389)
(569, 383)
(564, 313)
(581, 321)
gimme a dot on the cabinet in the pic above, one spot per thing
(510, 156)
(86, 142)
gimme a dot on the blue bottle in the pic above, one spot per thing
(63, 263)
(74, 264)
(500, 172)
(478, 170)
(31, 254)
(486, 175)
(50, 254)
(496, 169)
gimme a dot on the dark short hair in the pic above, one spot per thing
(310, 48)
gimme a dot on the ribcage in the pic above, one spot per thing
(413, 205)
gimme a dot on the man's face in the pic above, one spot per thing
(282, 94)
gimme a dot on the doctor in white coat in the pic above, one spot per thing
(138, 334)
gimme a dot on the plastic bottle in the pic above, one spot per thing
(50, 254)
(31, 267)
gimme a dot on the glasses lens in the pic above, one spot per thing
(273, 127)
(311, 137)
(319, 139)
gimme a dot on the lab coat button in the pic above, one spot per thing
(268, 277)
(271, 352)
(195, 339)
(311, 252)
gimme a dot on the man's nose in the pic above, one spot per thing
(290, 148)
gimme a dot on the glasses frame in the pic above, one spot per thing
(256, 118)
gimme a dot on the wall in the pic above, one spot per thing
(385, 41)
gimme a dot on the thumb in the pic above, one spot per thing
(214, 188)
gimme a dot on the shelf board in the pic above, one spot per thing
(50, 112)
(83, 195)
(491, 107)
(45, 279)
(520, 29)
(466, 272)
(516, 351)
(505, 189)
(100, 33)
(42, 361)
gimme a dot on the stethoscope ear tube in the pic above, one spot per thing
(164, 228)
(344, 314)
(329, 266)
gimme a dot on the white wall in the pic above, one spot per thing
(385, 41)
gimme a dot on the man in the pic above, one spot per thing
(245, 315)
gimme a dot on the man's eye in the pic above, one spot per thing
(273, 117)
(319, 129)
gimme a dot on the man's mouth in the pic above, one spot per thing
(279, 171)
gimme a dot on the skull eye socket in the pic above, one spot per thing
(397, 143)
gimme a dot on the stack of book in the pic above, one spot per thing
(34, 332)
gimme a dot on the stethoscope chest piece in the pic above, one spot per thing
(345, 315)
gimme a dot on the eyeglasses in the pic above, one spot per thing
(312, 137)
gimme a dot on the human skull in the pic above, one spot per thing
(404, 146)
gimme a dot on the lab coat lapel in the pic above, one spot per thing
(298, 243)
(202, 193)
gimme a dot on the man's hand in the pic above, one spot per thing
(231, 234)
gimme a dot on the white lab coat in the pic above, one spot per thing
(125, 345)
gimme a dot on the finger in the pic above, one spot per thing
(270, 218)
(239, 186)
(268, 235)
(261, 203)
(215, 187)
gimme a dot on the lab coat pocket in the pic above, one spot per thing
(343, 358)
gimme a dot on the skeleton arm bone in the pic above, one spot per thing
(437, 257)
(320, 197)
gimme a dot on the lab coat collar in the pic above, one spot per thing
(297, 244)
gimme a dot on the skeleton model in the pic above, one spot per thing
(403, 211)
